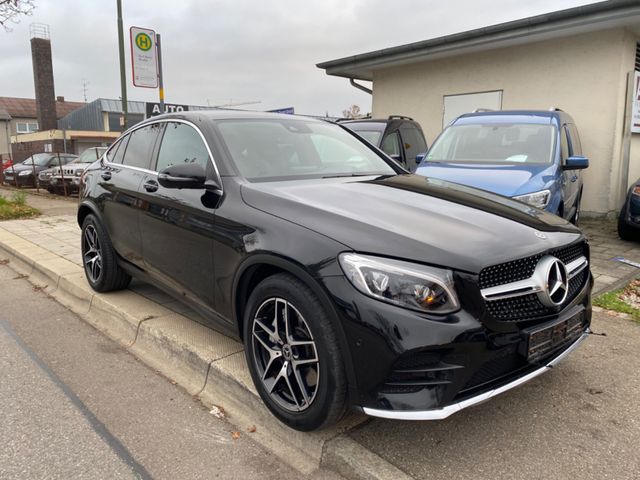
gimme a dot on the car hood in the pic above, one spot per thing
(414, 217)
(508, 180)
(21, 167)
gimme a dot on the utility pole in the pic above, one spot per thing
(123, 73)
(160, 81)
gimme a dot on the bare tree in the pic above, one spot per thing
(11, 10)
(352, 112)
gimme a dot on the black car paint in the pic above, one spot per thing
(208, 250)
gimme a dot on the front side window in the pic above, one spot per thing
(181, 143)
(509, 143)
(576, 146)
(275, 149)
(140, 146)
(564, 144)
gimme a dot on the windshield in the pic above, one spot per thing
(270, 149)
(495, 143)
(39, 159)
(90, 155)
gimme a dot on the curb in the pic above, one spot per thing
(207, 364)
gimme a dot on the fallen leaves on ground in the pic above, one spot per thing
(251, 429)
(217, 411)
(631, 294)
(235, 435)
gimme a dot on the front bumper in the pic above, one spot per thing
(408, 365)
(22, 181)
(71, 183)
(444, 412)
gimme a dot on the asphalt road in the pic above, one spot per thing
(76, 405)
(580, 421)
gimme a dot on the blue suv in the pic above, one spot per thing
(531, 156)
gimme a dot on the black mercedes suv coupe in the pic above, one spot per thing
(351, 282)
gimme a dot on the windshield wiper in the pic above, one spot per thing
(340, 175)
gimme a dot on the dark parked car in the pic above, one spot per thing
(293, 235)
(67, 179)
(530, 155)
(399, 137)
(22, 174)
(629, 218)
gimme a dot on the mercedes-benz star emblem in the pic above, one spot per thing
(553, 278)
(540, 235)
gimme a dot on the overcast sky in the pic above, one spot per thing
(216, 52)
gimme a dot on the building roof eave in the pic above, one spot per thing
(583, 19)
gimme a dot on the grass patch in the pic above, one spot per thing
(16, 207)
(624, 300)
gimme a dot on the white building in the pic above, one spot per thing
(582, 60)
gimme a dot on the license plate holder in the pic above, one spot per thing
(543, 339)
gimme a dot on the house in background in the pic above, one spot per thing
(583, 60)
(19, 116)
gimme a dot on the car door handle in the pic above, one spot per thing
(106, 175)
(151, 186)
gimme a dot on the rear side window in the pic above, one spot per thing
(414, 142)
(181, 143)
(116, 154)
(140, 146)
(391, 144)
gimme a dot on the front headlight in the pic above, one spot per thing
(24, 173)
(537, 199)
(408, 285)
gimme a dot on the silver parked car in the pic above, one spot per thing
(69, 175)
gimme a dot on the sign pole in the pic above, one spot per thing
(160, 82)
(123, 75)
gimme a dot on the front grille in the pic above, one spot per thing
(528, 307)
(523, 268)
(508, 362)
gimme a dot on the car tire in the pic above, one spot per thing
(302, 393)
(99, 258)
(626, 231)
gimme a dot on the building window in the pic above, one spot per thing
(26, 127)
(638, 56)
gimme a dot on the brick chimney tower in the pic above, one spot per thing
(43, 76)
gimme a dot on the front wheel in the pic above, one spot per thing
(293, 354)
(99, 258)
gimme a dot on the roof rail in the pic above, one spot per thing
(401, 117)
(483, 109)
(555, 109)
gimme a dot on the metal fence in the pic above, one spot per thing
(40, 179)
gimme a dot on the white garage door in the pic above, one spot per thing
(456, 105)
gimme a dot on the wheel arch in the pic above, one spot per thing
(86, 208)
(261, 266)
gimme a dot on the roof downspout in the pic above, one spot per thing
(360, 87)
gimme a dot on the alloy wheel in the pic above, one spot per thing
(92, 253)
(285, 354)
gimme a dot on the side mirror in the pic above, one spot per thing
(420, 158)
(576, 162)
(183, 175)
